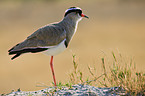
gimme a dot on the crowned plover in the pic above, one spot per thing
(51, 39)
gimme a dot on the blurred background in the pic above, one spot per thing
(114, 25)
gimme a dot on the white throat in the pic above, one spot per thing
(77, 24)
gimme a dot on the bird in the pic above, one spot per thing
(51, 39)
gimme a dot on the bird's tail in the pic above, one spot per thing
(24, 50)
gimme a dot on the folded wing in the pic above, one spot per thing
(41, 40)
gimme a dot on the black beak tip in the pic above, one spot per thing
(86, 16)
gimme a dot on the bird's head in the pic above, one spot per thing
(75, 12)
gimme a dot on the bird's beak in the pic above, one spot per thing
(84, 16)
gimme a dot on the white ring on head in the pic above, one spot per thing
(73, 8)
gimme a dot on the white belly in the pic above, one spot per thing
(56, 49)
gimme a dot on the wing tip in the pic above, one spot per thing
(12, 52)
(12, 48)
(16, 55)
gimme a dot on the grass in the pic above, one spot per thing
(121, 74)
(124, 76)
(76, 75)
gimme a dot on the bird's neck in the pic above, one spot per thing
(70, 26)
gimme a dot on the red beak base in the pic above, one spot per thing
(84, 15)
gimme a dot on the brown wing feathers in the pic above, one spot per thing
(24, 47)
(19, 52)
(41, 38)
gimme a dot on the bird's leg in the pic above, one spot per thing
(51, 65)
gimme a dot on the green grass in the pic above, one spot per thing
(121, 74)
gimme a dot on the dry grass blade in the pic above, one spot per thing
(76, 76)
(125, 77)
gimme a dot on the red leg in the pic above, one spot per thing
(51, 65)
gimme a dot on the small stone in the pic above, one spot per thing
(89, 94)
(19, 90)
(67, 93)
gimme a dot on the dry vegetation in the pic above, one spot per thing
(125, 77)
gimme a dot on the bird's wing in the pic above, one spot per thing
(45, 37)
